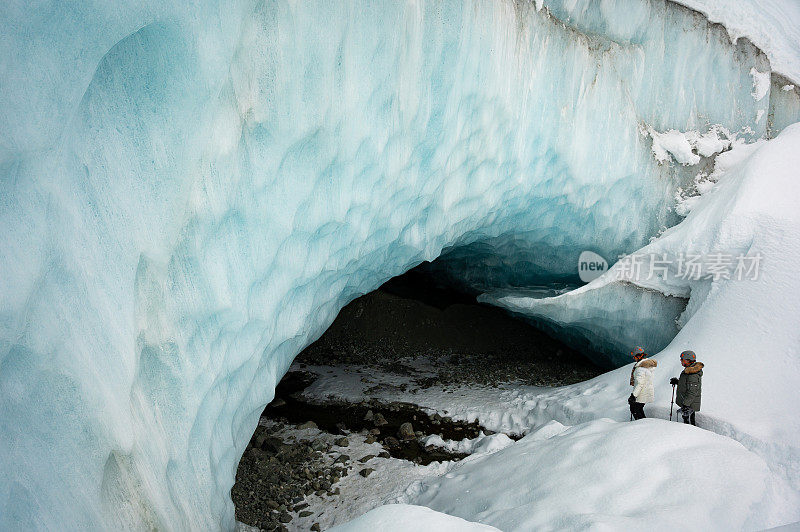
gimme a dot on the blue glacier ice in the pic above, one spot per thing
(189, 194)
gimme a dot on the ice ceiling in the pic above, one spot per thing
(188, 195)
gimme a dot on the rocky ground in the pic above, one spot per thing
(310, 461)
(470, 343)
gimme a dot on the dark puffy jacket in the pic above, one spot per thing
(690, 385)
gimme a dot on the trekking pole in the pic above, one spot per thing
(672, 401)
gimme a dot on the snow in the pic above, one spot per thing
(646, 475)
(359, 494)
(760, 84)
(188, 195)
(687, 147)
(772, 25)
(403, 517)
(483, 444)
(752, 208)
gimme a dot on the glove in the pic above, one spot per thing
(673, 381)
(631, 399)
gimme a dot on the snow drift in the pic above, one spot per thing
(648, 475)
(188, 196)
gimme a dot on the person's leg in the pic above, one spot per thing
(638, 410)
(692, 419)
(685, 418)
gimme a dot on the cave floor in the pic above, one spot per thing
(320, 455)
(332, 445)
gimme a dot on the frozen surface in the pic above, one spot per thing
(188, 196)
(751, 208)
(404, 517)
(773, 25)
(647, 475)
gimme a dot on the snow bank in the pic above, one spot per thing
(404, 517)
(743, 330)
(483, 444)
(646, 475)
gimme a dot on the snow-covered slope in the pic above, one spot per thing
(743, 330)
(647, 475)
(189, 195)
(403, 517)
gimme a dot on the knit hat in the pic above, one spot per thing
(688, 355)
(638, 352)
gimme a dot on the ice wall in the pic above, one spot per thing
(189, 195)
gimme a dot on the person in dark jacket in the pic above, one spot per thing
(690, 385)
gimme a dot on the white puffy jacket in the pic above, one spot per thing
(643, 381)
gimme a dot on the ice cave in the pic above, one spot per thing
(191, 193)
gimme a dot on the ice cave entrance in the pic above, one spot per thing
(372, 394)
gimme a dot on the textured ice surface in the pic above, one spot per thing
(600, 322)
(188, 196)
(727, 322)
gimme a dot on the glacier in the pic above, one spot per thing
(189, 195)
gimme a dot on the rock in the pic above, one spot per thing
(308, 425)
(342, 458)
(366, 472)
(277, 402)
(375, 432)
(369, 439)
(391, 442)
(384, 454)
(366, 458)
(272, 504)
(305, 513)
(273, 445)
(419, 434)
(342, 442)
(369, 416)
(379, 420)
(406, 431)
(300, 507)
(284, 517)
(319, 445)
(255, 452)
(315, 527)
(341, 428)
(259, 440)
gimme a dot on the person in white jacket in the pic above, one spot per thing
(642, 382)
